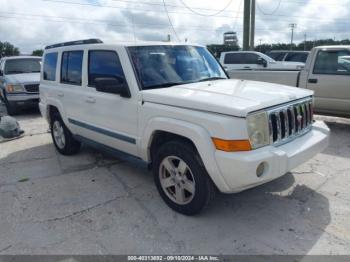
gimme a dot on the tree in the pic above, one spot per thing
(216, 50)
(38, 52)
(308, 45)
(7, 49)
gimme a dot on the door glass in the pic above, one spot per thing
(104, 64)
(233, 59)
(71, 67)
(332, 62)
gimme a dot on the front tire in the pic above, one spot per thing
(11, 109)
(181, 178)
(62, 138)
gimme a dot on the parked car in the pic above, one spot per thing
(172, 106)
(19, 82)
(327, 73)
(249, 60)
(289, 56)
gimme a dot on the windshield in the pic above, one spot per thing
(165, 66)
(22, 66)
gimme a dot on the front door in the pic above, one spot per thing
(107, 118)
(330, 79)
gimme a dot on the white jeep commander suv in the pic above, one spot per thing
(173, 106)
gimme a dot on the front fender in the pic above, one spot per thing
(197, 134)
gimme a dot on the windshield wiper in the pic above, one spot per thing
(211, 78)
(165, 85)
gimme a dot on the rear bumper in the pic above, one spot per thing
(239, 169)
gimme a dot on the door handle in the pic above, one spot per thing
(60, 94)
(90, 100)
(312, 81)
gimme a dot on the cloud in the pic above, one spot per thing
(33, 24)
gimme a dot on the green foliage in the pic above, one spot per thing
(216, 50)
(38, 52)
(7, 49)
(308, 45)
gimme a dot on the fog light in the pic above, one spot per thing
(260, 170)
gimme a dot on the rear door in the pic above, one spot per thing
(330, 79)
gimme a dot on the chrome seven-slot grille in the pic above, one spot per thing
(289, 121)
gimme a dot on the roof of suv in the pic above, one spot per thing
(68, 45)
(20, 57)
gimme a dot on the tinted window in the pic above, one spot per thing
(233, 58)
(332, 63)
(71, 67)
(104, 64)
(50, 62)
(22, 66)
(278, 56)
(297, 57)
(249, 58)
(241, 58)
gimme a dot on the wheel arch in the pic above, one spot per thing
(160, 130)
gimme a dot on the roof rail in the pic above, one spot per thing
(78, 42)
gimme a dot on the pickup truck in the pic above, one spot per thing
(327, 73)
(289, 56)
(172, 106)
(19, 82)
(249, 60)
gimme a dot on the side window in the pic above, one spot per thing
(250, 58)
(277, 56)
(232, 58)
(296, 57)
(71, 67)
(104, 64)
(50, 63)
(332, 62)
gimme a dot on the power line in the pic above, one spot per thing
(186, 13)
(171, 5)
(272, 12)
(236, 18)
(172, 26)
(197, 13)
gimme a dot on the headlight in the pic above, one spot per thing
(258, 130)
(14, 88)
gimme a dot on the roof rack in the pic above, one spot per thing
(78, 42)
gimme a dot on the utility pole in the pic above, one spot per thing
(305, 41)
(252, 25)
(246, 24)
(292, 27)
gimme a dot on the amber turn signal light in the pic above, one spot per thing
(232, 145)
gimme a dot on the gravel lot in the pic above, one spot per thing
(96, 204)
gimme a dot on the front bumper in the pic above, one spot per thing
(22, 98)
(239, 169)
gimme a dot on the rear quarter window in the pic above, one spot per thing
(49, 68)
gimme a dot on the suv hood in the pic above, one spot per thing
(230, 97)
(23, 78)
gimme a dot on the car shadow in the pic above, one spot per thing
(339, 139)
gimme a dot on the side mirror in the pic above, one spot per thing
(261, 61)
(113, 85)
